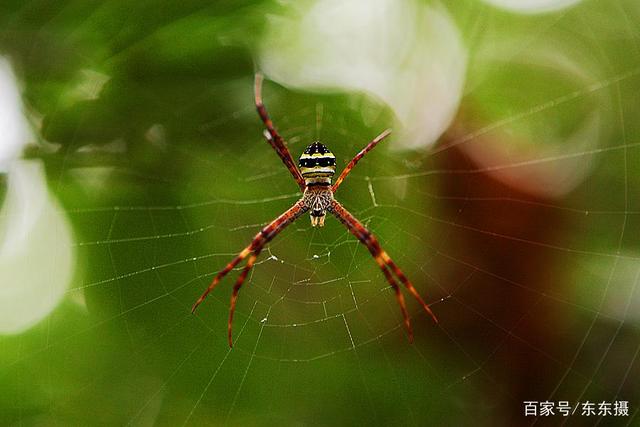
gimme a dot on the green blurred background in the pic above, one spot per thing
(519, 225)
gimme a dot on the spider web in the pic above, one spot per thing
(531, 292)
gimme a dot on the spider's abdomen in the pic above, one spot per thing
(317, 162)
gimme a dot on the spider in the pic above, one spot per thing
(313, 175)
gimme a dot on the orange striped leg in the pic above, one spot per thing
(245, 252)
(269, 232)
(236, 290)
(383, 260)
(272, 135)
(399, 297)
(357, 158)
(265, 235)
(262, 238)
(407, 283)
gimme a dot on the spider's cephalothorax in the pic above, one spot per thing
(317, 167)
(313, 175)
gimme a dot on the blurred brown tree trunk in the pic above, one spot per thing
(503, 312)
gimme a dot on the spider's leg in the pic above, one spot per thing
(382, 259)
(269, 233)
(399, 296)
(242, 255)
(236, 290)
(255, 247)
(357, 158)
(407, 283)
(272, 135)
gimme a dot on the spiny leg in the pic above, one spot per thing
(272, 135)
(269, 233)
(399, 296)
(245, 252)
(407, 283)
(382, 259)
(357, 158)
(255, 247)
(264, 236)
(236, 290)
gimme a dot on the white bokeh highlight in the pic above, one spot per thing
(15, 132)
(549, 164)
(621, 273)
(36, 254)
(36, 247)
(533, 6)
(409, 55)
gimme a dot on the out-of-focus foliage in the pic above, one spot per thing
(144, 120)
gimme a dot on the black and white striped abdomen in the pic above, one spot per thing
(317, 162)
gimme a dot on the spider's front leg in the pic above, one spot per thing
(384, 262)
(252, 251)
